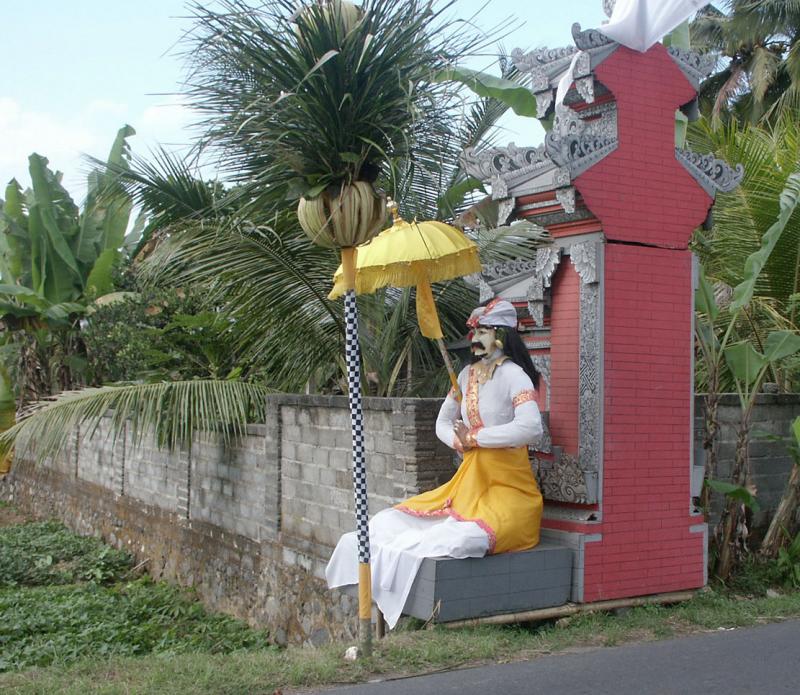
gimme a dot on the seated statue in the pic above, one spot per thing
(492, 504)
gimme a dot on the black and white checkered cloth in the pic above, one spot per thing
(353, 359)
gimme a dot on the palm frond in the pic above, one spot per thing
(770, 155)
(309, 100)
(172, 412)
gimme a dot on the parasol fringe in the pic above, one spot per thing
(373, 278)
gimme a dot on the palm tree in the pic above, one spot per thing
(757, 41)
(245, 245)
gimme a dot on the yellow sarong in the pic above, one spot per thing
(496, 489)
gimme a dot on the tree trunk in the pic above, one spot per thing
(711, 427)
(784, 515)
(733, 538)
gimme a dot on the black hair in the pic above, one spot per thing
(518, 353)
(515, 350)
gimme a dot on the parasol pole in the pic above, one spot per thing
(450, 371)
(353, 360)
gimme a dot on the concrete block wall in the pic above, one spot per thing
(99, 457)
(402, 457)
(250, 527)
(228, 487)
(770, 458)
(155, 476)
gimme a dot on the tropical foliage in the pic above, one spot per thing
(746, 327)
(770, 155)
(242, 247)
(327, 94)
(65, 598)
(55, 259)
(757, 41)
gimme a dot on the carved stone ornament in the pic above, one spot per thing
(487, 164)
(539, 80)
(583, 65)
(506, 269)
(589, 388)
(541, 363)
(543, 101)
(562, 480)
(696, 66)
(562, 178)
(591, 38)
(585, 87)
(566, 196)
(584, 257)
(542, 57)
(608, 7)
(711, 173)
(536, 301)
(547, 260)
(499, 187)
(504, 209)
(577, 144)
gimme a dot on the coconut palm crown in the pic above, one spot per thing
(322, 99)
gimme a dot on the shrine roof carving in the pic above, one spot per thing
(585, 125)
(696, 66)
(712, 173)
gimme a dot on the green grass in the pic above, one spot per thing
(403, 653)
(113, 634)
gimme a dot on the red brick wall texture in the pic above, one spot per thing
(648, 205)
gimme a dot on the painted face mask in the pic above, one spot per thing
(483, 339)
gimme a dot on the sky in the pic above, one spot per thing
(75, 72)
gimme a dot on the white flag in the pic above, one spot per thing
(638, 24)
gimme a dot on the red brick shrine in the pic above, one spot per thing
(607, 308)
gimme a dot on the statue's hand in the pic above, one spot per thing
(461, 432)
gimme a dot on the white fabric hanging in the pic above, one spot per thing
(638, 24)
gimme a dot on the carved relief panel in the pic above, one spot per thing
(564, 476)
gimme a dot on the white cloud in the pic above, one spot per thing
(26, 131)
(66, 141)
(103, 107)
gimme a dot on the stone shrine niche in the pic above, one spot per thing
(557, 295)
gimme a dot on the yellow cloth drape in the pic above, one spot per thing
(427, 316)
(496, 489)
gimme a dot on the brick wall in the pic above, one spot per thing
(565, 335)
(648, 545)
(648, 206)
(640, 192)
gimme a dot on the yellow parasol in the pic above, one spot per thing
(414, 253)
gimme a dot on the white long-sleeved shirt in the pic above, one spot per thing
(500, 413)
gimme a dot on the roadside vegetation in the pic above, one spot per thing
(79, 618)
(64, 597)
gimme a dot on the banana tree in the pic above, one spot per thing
(55, 258)
(747, 365)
